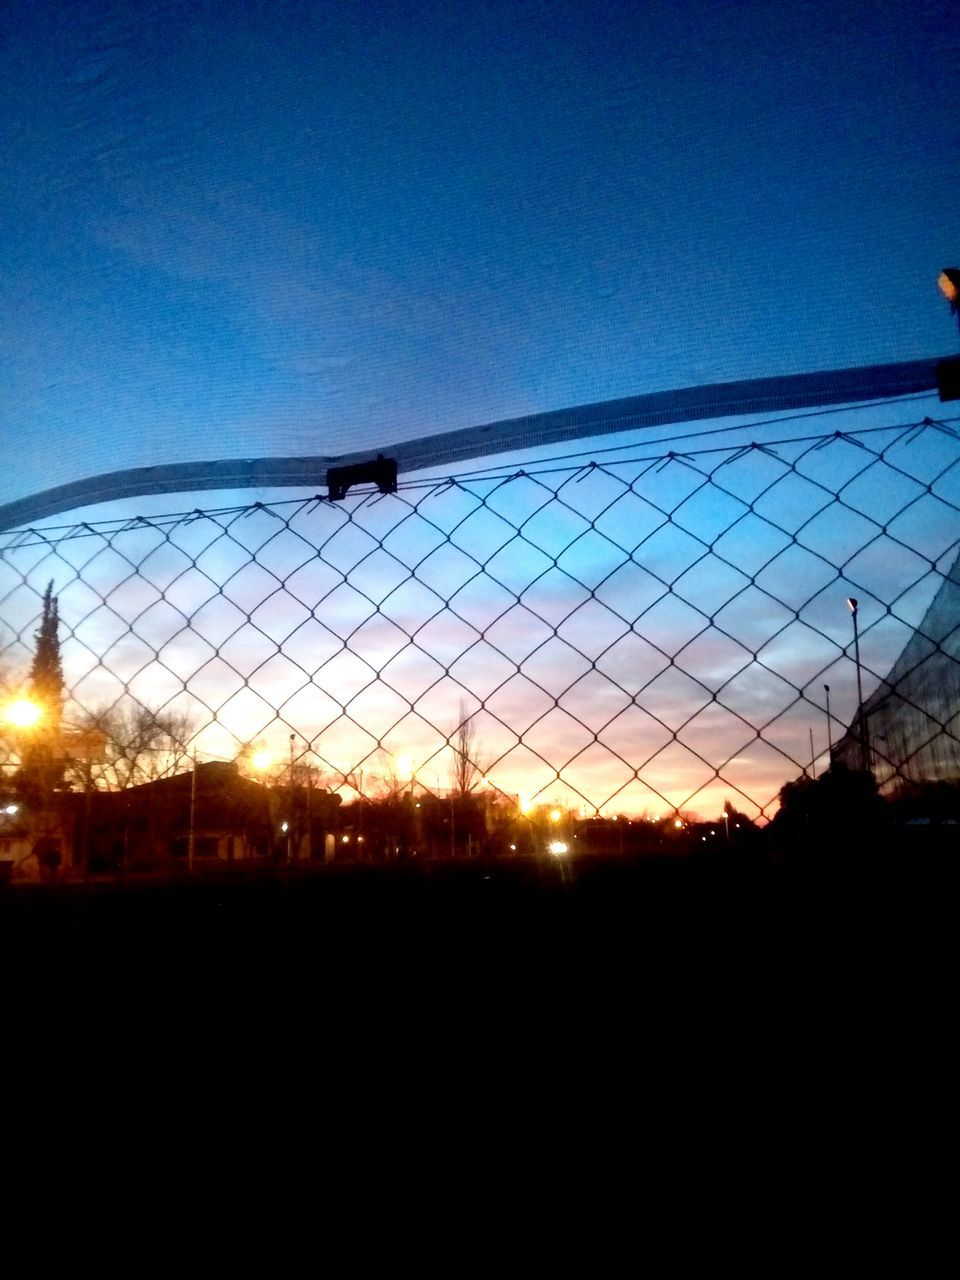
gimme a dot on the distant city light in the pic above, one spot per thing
(558, 848)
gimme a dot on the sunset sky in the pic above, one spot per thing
(631, 627)
(308, 228)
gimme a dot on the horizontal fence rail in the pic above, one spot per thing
(658, 408)
(640, 632)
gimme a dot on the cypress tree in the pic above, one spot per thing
(46, 671)
(42, 766)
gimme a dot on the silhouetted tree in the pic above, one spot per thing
(839, 811)
(46, 670)
(468, 767)
(139, 744)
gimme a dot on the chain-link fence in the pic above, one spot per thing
(641, 629)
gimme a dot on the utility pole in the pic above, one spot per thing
(309, 815)
(864, 748)
(290, 803)
(193, 813)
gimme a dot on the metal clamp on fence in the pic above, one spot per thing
(382, 472)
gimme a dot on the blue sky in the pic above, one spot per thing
(306, 228)
(302, 225)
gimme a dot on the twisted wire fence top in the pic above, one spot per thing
(644, 628)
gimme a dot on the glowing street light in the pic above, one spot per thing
(23, 713)
(262, 760)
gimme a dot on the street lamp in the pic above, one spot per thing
(23, 713)
(262, 760)
(853, 606)
(404, 768)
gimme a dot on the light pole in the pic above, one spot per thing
(829, 729)
(853, 606)
(193, 813)
(290, 801)
(309, 814)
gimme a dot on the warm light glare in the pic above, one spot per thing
(558, 848)
(555, 815)
(23, 713)
(677, 823)
(404, 767)
(947, 282)
(12, 809)
(526, 804)
(261, 760)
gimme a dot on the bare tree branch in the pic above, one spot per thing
(139, 744)
(468, 763)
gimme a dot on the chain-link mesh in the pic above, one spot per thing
(641, 630)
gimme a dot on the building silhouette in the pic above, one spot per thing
(913, 716)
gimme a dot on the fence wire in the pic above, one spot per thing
(640, 631)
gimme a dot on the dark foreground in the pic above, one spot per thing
(294, 984)
(338, 920)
